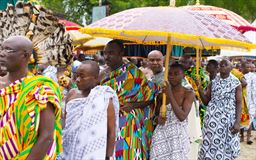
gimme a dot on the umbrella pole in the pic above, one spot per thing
(197, 62)
(201, 57)
(167, 60)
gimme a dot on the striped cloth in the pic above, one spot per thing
(20, 106)
(136, 127)
(245, 118)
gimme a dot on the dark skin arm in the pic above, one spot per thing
(180, 111)
(45, 135)
(68, 98)
(235, 129)
(161, 120)
(205, 96)
(111, 133)
(243, 82)
(135, 105)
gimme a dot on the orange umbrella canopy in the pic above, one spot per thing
(225, 15)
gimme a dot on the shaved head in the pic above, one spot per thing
(225, 67)
(87, 75)
(155, 53)
(155, 61)
(20, 43)
(15, 53)
(226, 61)
(93, 67)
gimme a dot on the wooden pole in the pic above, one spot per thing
(167, 60)
(197, 62)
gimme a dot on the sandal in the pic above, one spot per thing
(249, 142)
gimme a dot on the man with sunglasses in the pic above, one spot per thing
(29, 106)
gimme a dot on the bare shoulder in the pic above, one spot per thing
(104, 72)
(189, 93)
(72, 94)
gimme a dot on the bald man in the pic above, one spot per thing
(222, 117)
(155, 60)
(91, 117)
(29, 106)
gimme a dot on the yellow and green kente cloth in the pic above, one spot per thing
(136, 127)
(20, 106)
(245, 118)
(204, 79)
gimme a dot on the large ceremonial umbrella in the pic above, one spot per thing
(170, 26)
(225, 15)
(77, 37)
(94, 44)
(251, 35)
(70, 25)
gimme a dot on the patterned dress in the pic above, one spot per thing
(136, 127)
(218, 141)
(20, 106)
(171, 140)
(85, 133)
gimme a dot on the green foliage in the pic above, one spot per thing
(76, 10)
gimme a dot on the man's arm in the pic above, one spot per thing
(69, 97)
(236, 127)
(111, 131)
(135, 105)
(243, 82)
(205, 96)
(45, 135)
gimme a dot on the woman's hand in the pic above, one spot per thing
(161, 120)
(167, 90)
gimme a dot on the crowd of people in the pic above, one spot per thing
(111, 110)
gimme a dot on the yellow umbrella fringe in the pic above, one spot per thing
(81, 40)
(116, 35)
(85, 48)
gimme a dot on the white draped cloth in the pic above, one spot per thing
(251, 94)
(85, 133)
(171, 140)
(194, 127)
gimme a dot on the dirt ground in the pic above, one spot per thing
(248, 152)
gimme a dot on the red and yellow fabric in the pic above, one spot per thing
(20, 106)
(136, 127)
(245, 118)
